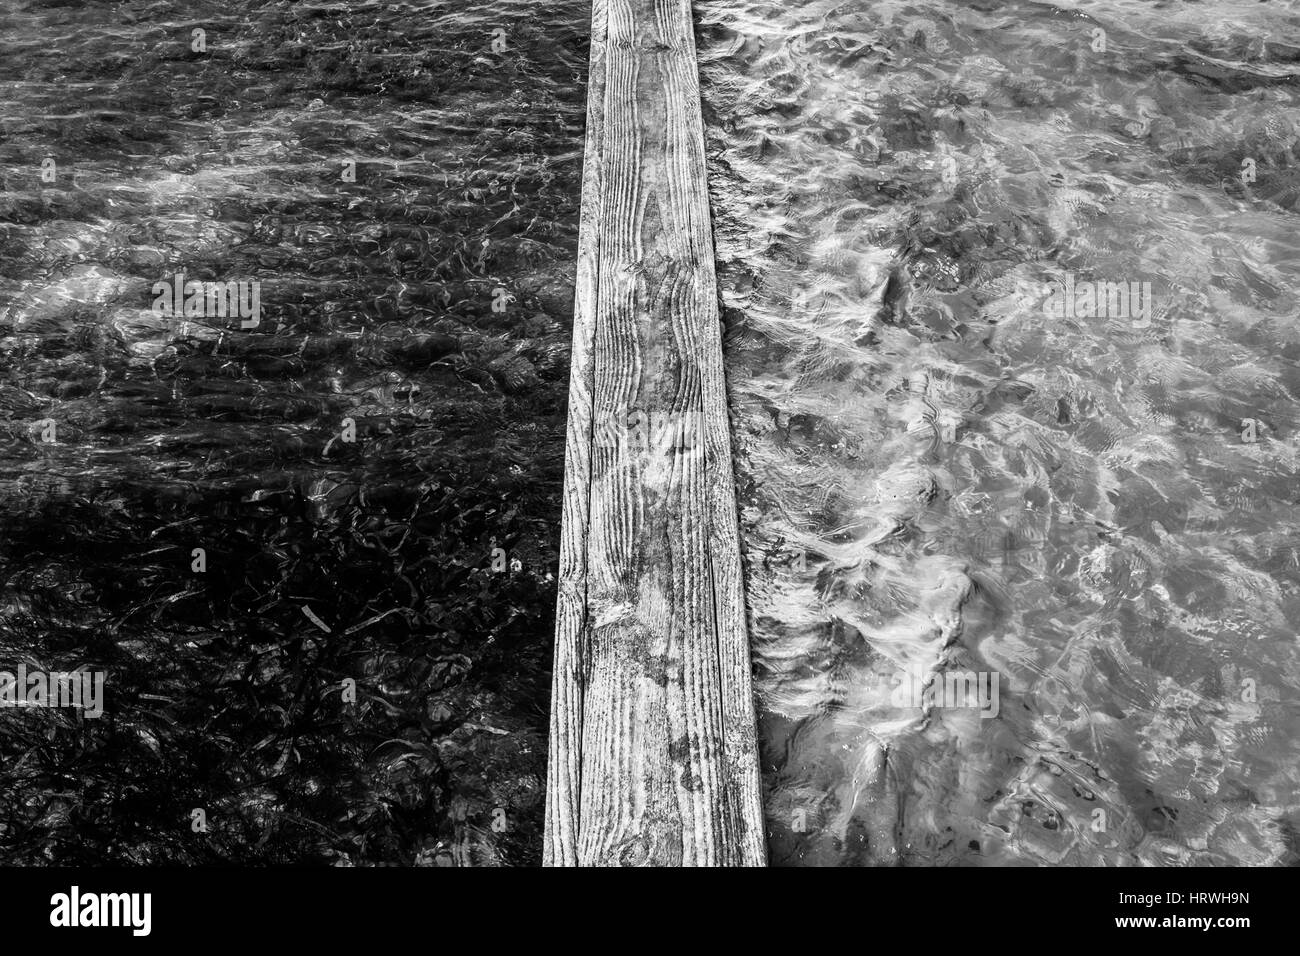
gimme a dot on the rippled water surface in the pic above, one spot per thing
(940, 475)
(424, 294)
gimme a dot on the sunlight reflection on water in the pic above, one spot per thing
(941, 468)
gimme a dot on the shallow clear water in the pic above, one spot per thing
(380, 304)
(941, 475)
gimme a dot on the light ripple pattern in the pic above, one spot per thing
(940, 474)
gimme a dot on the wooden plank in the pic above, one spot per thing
(563, 773)
(653, 755)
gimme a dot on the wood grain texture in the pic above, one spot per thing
(653, 759)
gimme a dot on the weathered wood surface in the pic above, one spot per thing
(653, 759)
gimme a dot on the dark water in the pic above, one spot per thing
(939, 475)
(175, 433)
